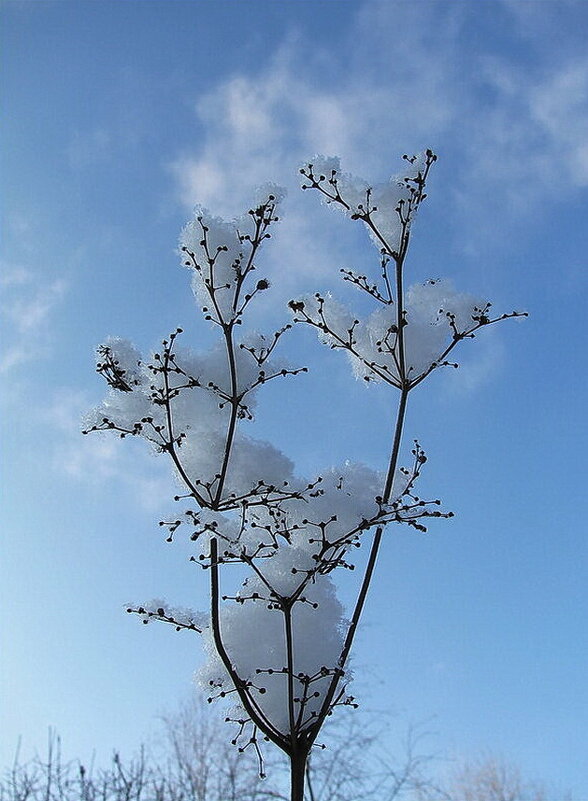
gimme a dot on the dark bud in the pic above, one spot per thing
(262, 284)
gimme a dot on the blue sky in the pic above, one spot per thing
(119, 117)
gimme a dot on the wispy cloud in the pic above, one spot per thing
(560, 106)
(529, 147)
(260, 126)
(404, 78)
(27, 305)
(100, 458)
(512, 134)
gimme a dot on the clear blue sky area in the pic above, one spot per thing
(118, 118)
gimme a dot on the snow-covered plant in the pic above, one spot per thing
(280, 645)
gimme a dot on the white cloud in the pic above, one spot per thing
(477, 367)
(100, 458)
(260, 127)
(27, 304)
(406, 77)
(14, 276)
(560, 106)
(512, 131)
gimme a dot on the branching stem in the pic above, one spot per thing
(251, 707)
(170, 446)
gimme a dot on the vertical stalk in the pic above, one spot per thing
(261, 224)
(287, 612)
(400, 321)
(393, 463)
(170, 429)
(228, 332)
(297, 775)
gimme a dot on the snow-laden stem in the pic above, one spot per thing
(400, 322)
(261, 223)
(295, 746)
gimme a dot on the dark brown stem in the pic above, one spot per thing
(392, 465)
(400, 311)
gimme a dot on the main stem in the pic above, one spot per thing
(297, 775)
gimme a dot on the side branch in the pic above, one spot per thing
(251, 707)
